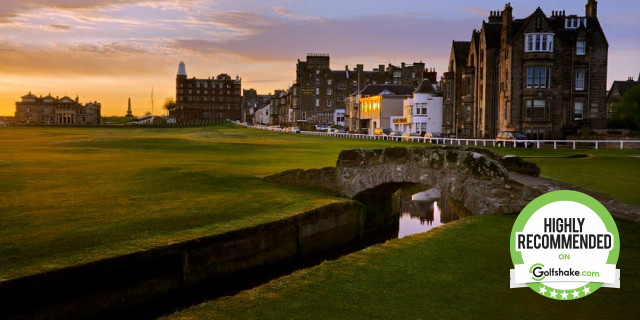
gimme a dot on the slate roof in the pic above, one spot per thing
(426, 87)
(375, 89)
(461, 51)
(623, 86)
(493, 32)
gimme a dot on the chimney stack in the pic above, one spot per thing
(592, 9)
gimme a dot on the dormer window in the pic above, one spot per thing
(574, 22)
(538, 42)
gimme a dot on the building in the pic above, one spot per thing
(59, 111)
(207, 99)
(422, 113)
(379, 103)
(322, 96)
(542, 75)
(453, 88)
(618, 88)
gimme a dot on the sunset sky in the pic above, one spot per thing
(109, 50)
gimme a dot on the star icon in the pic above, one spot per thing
(586, 290)
(542, 290)
(553, 293)
(564, 295)
(576, 294)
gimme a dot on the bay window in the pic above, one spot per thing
(538, 42)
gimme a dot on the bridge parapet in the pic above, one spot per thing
(473, 176)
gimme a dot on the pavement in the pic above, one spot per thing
(616, 208)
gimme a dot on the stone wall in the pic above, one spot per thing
(168, 274)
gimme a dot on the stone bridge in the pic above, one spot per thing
(475, 177)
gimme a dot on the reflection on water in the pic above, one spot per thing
(426, 210)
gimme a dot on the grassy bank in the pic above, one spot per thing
(458, 271)
(613, 172)
(74, 195)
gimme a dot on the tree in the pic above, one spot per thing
(628, 109)
(169, 104)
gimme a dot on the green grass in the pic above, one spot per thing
(613, 172)
(458, 271)
(74, 195)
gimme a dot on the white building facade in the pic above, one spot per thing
(422, 113)
(263, 115)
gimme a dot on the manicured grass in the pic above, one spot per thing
(458, 271)
(74, 195)
(613, 172)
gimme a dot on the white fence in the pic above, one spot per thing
(555, 144)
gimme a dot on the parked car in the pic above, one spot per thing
(321, 127)
(396, 135)
(294, 130)
(506, 138)
(408, 136)
(382, 131)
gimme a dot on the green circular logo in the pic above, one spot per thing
(565, 246)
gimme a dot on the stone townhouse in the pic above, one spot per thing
(321, 95)
(541, 75)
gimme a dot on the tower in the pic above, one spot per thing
(182, 70)
(129, 113)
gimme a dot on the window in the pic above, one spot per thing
(317, 71)
(578, 108)
(397, 74)
(581, 47)
(448, 90)
(329, 103)
(535, 109)
(538, 42)
(579, 80)
(329, 91)
(317, 102)
(317, 91)
(467, 112)
(574, 22)
(537, 77)
(329, 81)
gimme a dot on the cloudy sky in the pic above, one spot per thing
(109, 50)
